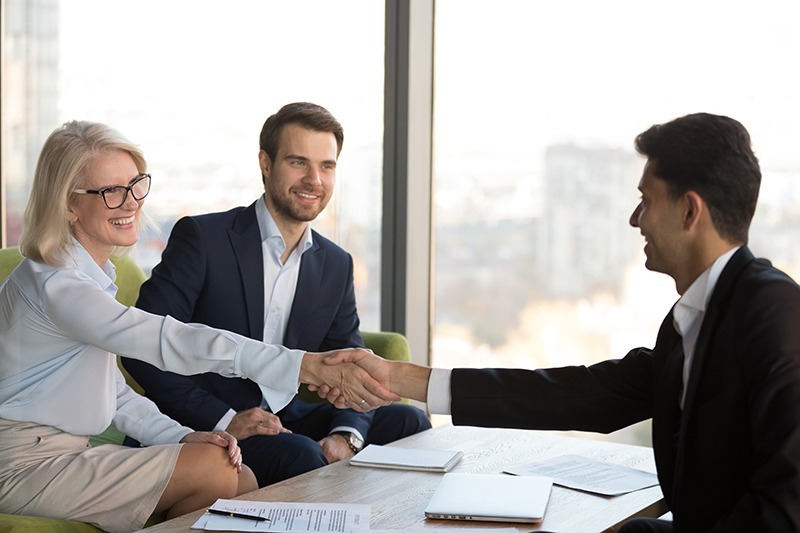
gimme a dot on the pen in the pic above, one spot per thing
(239, 515)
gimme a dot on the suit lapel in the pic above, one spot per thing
(669, 422)
(245, 238)
(709, 328)
(312, 265)
(667, 412)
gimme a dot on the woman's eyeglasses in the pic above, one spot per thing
(115, 196)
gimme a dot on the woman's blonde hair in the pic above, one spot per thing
(46, 235)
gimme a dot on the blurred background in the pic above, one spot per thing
(535, 108)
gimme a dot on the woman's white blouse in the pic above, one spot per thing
(60, 328)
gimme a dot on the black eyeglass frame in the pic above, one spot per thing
(128, 189)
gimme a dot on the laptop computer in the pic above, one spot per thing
(490, 497)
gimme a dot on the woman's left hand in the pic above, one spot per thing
(222, 439)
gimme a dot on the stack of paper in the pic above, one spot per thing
(406, 458)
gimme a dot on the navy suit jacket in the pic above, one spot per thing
(211, 272)
(730, 460)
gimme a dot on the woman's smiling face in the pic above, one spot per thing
(98, 228)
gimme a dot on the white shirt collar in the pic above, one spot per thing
(695, 300)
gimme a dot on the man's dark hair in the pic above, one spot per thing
(712, 156)
(311, 116)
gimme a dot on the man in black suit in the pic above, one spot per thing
(722, 383)
(262, 272)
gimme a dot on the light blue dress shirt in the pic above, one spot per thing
(60, 328)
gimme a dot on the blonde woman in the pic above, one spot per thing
(60, 327)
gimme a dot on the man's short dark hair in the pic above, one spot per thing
(712, 156)
(311, 116)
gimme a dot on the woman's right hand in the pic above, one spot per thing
(222, 439)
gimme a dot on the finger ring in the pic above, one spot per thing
(361, 403)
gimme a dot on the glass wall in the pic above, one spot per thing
(536, 109)
(192, 82)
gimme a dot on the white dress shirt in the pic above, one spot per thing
(60, 328)
(280, 279)
(690, 310)
(688, 314)
(280, 286)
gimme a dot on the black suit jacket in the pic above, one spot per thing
(211, 272)
(730, 461)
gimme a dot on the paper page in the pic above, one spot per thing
(288, 517)
(580, 473)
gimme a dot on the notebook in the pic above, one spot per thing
(406, 458)
(490, 497)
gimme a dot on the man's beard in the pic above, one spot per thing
(284, 205)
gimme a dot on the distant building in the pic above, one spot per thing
(30, 56)
(585, 240)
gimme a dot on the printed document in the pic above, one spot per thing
(580, 473)
(288, 517)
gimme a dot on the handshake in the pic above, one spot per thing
(359, 379)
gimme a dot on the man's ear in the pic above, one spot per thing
(265, 163)
(694, 207)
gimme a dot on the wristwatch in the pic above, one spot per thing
(354, 441)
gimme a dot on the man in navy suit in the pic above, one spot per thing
(721, 384)
(261, 271)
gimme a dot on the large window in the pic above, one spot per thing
(536, 108)
(191, 82)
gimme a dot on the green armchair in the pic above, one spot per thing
(129, 278)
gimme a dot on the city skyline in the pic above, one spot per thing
(548, 96)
